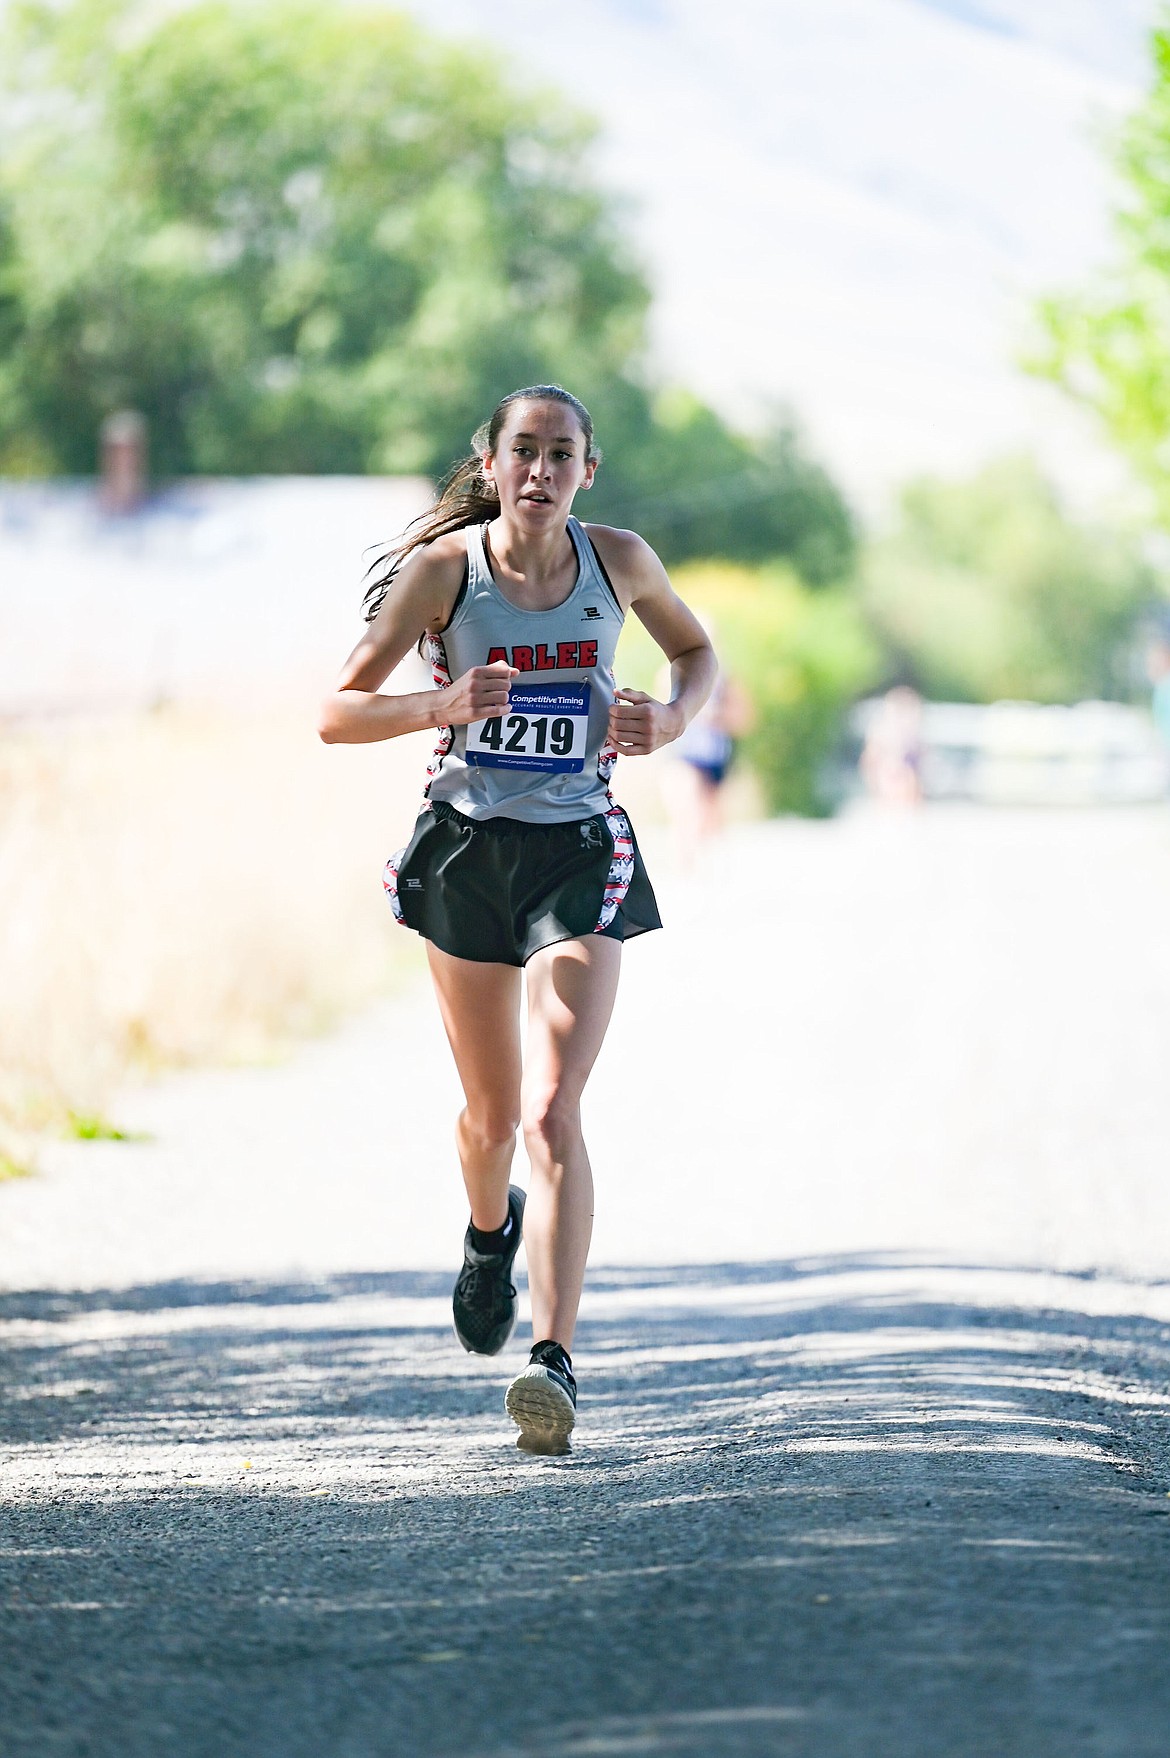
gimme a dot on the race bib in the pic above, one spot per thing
(546, 727)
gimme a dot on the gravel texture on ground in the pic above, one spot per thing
(846, 1507)
(873, 1454)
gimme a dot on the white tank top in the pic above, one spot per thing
(548, 759)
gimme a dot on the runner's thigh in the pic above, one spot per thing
(571, 990)
(480, 1005)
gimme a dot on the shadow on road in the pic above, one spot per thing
(850, 1506)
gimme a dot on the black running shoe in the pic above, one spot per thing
(484, 1302)
(542, 1401)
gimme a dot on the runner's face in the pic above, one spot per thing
(539, 464)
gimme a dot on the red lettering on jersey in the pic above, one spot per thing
(570, 655)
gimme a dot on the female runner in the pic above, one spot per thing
(520, 860)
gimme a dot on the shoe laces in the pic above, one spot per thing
(480, 1279)
(555, 1357)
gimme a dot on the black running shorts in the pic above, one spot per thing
(496, 890)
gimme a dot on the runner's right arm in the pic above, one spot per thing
(421, 598)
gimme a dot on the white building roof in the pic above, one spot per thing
(213, 587)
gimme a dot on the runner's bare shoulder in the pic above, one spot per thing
(429, 581)
(628, 560)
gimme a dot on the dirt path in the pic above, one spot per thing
(878, 1490)
(848, 1508)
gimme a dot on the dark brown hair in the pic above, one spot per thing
(466, 495)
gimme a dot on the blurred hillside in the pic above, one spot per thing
(851, 206)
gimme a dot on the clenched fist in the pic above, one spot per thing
(480, 692)
(638, 724)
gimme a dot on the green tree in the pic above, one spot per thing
(297, 238)
(1110, 344)
(987, 590)
(693, 487)
(319, 239)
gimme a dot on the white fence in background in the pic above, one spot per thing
(1027, 753)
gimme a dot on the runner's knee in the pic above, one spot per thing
(552, 1123)
(487, 1132)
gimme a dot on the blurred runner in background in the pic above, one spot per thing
(1158, 671)
(891, 760)
(702, 760)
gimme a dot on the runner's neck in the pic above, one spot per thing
(533, 573)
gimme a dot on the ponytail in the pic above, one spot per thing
(467, 496)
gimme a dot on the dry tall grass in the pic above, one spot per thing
(178, 887)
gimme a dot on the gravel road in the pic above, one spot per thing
(874, 1448)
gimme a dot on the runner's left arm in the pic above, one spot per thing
(638, 723)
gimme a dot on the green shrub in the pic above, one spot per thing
(987, 589)
(802, 658)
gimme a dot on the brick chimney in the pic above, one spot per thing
(123, 486)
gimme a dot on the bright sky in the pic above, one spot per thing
(846, 205)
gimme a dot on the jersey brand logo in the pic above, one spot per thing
(564, 656)
(592, 614)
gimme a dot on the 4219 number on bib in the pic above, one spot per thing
(546, 727)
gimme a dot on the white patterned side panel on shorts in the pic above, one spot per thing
(621, 867)
(390, 881)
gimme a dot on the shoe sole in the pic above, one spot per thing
(515, 1195)
(543, 1412)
